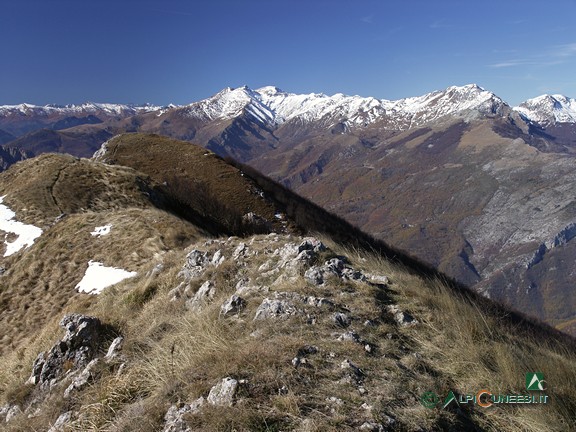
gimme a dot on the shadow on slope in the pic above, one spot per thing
(229, 188)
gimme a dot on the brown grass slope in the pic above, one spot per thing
(243, 189)
(174, 355)
(68, 198)
(208, 189)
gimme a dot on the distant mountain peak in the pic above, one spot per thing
(549, 109)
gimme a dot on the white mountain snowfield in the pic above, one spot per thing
(272, 106)
(98, 277)
(26, 234)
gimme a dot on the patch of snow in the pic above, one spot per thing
(101, 230)
(98, 277)
(26, 233)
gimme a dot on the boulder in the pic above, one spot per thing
(282, 305)
(240, 251)
(114, 348)
(223, 393)
(195, 264)
(80, 381)
(8, 411)
(311, 244)
(403, 319)
(61, 422)
(341, 319)
(353, 371)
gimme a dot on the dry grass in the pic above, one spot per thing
(214, 190)
(177, 355)
(40, 281)
(473, 348)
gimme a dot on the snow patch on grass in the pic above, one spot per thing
(101, 230)
(26, 233)
(98, 277)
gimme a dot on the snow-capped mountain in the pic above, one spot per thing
(549, 109)
(273, 106)
(25, 109)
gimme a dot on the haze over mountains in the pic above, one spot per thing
(460, 179)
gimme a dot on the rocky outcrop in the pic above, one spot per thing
(402, 318)
(61, 422)
(336, 267)
(174, 420)
(84, 338)
(9, 411)
(203, 296)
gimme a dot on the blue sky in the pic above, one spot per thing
(176, 51)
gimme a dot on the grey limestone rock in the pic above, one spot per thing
(114, 348)
(61, 422)
(233, 305)
(341, 319)
(223, 393)
(8, 411)
(83, 378)
(195, 264)
(404, 319)
(312, 244)
(353, 371)
(82, 341)
(275, 308)
(204, 295)
(174, 418)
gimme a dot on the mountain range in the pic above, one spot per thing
(457, 178)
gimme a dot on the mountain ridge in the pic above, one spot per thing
(273, 106)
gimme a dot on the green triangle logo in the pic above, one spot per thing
(535, 381)
(451, 397)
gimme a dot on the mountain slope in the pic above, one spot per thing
(50, 141)
(68, 198)
(264, 332)
(21, 119)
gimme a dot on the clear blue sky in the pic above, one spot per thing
(177, 51)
